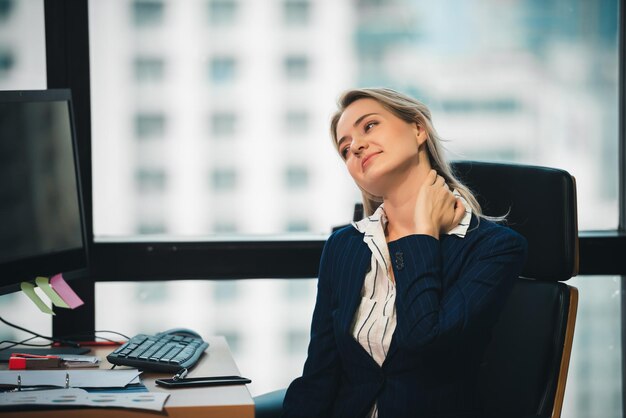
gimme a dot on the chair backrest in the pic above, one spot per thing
(525, 367)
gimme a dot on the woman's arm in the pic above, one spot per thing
(426, 317)
(313, 394)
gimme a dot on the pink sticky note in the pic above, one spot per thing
(65, 291)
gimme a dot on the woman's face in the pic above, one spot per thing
(378, 148)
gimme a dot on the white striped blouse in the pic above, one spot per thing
(375, 320)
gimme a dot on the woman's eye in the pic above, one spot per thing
(344, 152)
(369, 125)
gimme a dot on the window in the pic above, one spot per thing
(224, 179)
(529, 82)
(224, 227)
(223, 70)
(296, 178)
(149, 69)
(298, 225)
(296, 67)
(299, 289)
(6, 7)
(225, 291)
(297, 122)
(150, 227)
(7, 61)
(149, 125)
(222, 12)
(297, 12)
(233, 338)
(151, 180)
(148, 12)
(156, 292)
(297, 341)
(223, 124)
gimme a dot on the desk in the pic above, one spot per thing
(205, 402)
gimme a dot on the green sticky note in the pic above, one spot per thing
(44, 284)
(29, 289)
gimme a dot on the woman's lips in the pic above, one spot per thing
(368, 158)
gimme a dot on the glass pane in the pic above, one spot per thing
(22, 45)
(594, 383)
(266, 322)
(526, 81)
(22, 67)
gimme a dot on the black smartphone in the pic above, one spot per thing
(203, 381)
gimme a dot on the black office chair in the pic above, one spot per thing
(525, 367)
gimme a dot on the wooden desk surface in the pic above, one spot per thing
(205, 402)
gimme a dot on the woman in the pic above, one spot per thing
(407, 297)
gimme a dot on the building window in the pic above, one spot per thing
(298, 290)
(298, 225)
(6, 7)
(224, 227)
(148, 12)
(296, 67)
(296, 122)
(149, 125)
(222, 12)
(149, 69)
(223, 124)
(156, 292)
(496, 105)
(233, 337)
(297, 12)
(224, 179)
(223, 70)
(297, 178)
(150, 180)
(297, 341)
(151, 228)
(225, 290)
(7, 61)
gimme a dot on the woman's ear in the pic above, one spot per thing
(420, 133)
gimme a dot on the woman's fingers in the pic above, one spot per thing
(459, 212)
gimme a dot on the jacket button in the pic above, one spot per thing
(399, 260)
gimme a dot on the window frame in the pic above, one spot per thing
(67, 57)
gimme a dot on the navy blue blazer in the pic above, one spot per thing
(449, 293)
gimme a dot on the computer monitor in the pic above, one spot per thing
(42, 227)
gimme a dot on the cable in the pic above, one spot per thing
(86, 337)
(114, 332)
(23, 342)
(57, 340)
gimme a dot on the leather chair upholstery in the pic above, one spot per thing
(525, 367)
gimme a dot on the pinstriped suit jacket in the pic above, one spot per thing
(449, 295)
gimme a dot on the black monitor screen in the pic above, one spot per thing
(40, 212)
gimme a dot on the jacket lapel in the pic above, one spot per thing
(350, 295)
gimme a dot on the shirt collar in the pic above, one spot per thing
(376, 223)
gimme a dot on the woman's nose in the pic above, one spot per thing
(358, 145)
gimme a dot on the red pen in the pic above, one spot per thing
(20, 361)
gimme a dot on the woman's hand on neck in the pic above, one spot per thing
(423, 204)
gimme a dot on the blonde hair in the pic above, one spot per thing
(410, 111)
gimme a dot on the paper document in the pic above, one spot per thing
(78, 360)
(71, 378)
(153, 401)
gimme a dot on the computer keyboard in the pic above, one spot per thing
(163, 352)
